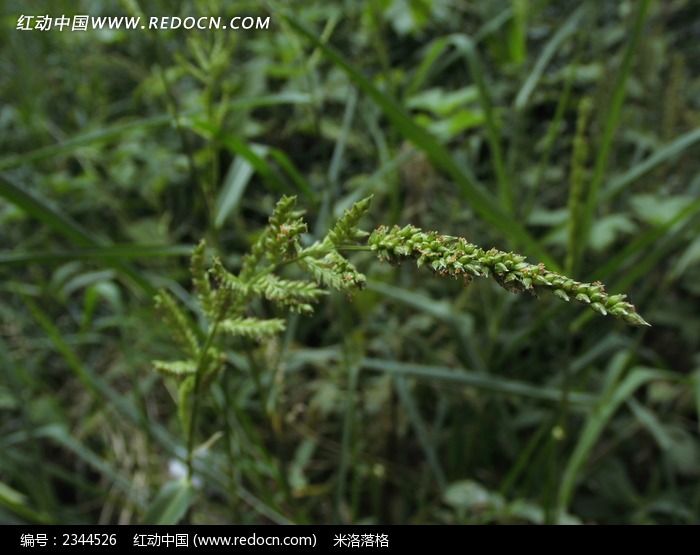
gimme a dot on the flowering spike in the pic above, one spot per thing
(448, 255)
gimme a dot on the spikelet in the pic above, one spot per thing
(200, 277)
(252, 328)
(178, 323)
(345, 229)
(296, 295)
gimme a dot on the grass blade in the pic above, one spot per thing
(486, 382)
(505, 193)
(40, 209)
(548, 52)
(171, 504)
(116, 252)
(665, 153)
(422, 432)
(611, 122)
(612, 397)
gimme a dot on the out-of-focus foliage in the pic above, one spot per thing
(564, 130)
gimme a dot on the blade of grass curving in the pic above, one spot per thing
(643, 242)
(43, 211)
(433, 52)
(667, 152)
(494, 25)
(663, 242)
(242, 170)
(171, 503)
(466, 47)
(462, 325)
(465, 378)
(294, 174)
(60, 435)
(553, 130)
(238, 146)
(480, 200)
(651, 422)
(438, 309)
(611, 123)
(577, 187)
(616, 393)
(548, 52)
(422, 432)
(331, 191)
(353, 373)
(119, 252)
(17, 503)
(235, 183)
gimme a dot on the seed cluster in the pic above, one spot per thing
(455, 256)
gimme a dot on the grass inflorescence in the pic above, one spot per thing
(455, 256)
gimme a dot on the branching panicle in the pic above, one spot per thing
(455, 256)
(226, 298)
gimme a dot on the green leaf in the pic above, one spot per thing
(253, 155)
(467, 48)
(660, 209)
(608, 229)
(235, 182)
(18, 504)
(171, 504)
(470, 495)
(443, 103)
(422, 431)
(690, 257)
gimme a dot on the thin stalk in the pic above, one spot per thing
(196, 394)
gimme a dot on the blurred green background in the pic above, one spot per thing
(564, 130)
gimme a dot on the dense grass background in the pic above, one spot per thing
(564, 130)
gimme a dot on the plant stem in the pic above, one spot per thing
(201, 365)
